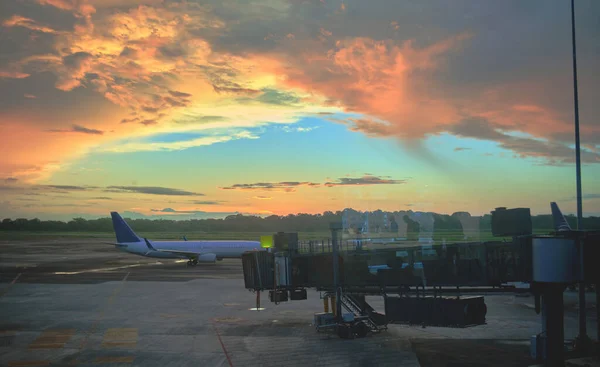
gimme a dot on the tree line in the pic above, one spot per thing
(409, 220)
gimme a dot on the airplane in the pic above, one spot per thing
(194, 251)
(562, 226)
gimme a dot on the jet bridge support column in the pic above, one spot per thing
(554, 267)
(555, 335)
(335, 228)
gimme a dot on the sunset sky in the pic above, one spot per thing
(206, 108)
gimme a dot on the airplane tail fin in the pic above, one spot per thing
(123, 232)
(560, 223)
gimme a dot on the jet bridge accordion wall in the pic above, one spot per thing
(461, 264)
(259, 270)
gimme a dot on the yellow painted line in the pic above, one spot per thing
(125, 359)
(111, 299)
(28, 363)
(120, 337)
(52, 339)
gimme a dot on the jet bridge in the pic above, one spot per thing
(426, 285)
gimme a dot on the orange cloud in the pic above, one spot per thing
(394, 86)
(19, 21)
(379, 79)
(13, 74)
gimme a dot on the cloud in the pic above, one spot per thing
(14, 184)
(382, 79)
(153, 190)
(262, 197)
(293, 185)
(133, 119)
(276, 97)
(67, 187)
(78, 129)
(368, 127)
(61, 4)
(145, 62)
(149, 122)
(177, 212)
(289, 129)
(209, 202)
(363, 181)
(175, 93)
(13, 74)
(19, 21)
(100, 198)
(144, 146)
(458, 149)
(165, 210)
(31, 96)
(211, 118)
(288, 186)
(548, 151)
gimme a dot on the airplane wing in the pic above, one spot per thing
(114, 244)
(177, 252)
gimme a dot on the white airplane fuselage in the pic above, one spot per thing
(220, 249)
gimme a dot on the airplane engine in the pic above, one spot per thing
(207, 258)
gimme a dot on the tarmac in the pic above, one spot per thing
(85, 303)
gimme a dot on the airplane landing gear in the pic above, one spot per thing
(193, 262)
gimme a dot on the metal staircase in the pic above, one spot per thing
(364, 312)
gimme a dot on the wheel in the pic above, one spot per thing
(194, 262)
(360, 329)
(189, 263)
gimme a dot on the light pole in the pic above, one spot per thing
(582, 337)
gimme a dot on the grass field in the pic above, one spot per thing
(448, 236)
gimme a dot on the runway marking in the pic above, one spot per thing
(221, 342)
(52, 339)
(101, 269)
(120, 337)
(121, 359)
(5, 290)
(111, 299)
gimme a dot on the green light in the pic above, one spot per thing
(266, 241)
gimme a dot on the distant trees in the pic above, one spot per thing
(301, 222)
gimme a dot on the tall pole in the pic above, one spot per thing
(582, 319)
(335, 227)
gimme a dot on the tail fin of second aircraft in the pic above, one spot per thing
(122, 230)
(560, 223)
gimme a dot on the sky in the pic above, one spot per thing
(199, 109)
